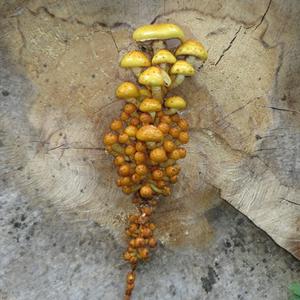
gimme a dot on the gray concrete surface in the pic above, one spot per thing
(48, 256)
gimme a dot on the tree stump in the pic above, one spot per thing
(244, 110)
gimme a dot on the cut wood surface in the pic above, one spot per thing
(244, 111)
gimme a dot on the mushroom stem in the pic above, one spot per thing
(157, 93)
(150, 145)
(191, 60)
(133, 101)
(152, 114)
(178, 80)
(137, 71)
(158, 45)
(164, 67)
(171, 111)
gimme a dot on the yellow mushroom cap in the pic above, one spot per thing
(163, 56)
(127, 90)
(145, 93)
(149, 133)
(193, 48)
(176, 102)
(152, 77)
(182, 67)
(135, 59)
(150, 105)
(158, 32)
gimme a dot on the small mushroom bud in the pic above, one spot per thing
(158, 155)
(173, 179)
(157, 174)
(183, 124)
(141, 169)
(146, 118)
(182, 152)
(119, 160)
(184, 137)
(175, 154)
(128, 91)
(126, 190)
(130, 150)
(174, 132)
(146, 232)
(136, 178)
(163, 127)
(140, 147)
(172, 170)
(116, 125)
(130, 108)
(124, 181)
(123, 138)
(124, 170)
(166, 119)
(175, 104)
(140, 242)
(169, 146)
(130, 277)
(139, 157)
(175, 118)
(146, 191)
(110, 139)
(124, 116)
(143, 253)
(181, 69)
(127, 255)
(131, 131)
(152, 242)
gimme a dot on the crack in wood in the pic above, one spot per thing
(264, 15)
(289, 201)
(229, 46)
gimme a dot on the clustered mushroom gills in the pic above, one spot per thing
(148, 136)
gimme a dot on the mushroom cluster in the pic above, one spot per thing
(148, 136)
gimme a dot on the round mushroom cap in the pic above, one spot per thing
(150, 105)
(176, 102)
(182, 67)
(135, 59)
(163, 56)
(152, 77)
(149, 133)
(192, 48)
(158, 32)
(127, 90)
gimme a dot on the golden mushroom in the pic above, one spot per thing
(149, 133)
(157, 33)
(150, 106)
(135, 60)
(128, 91)
(155, 78)
(193, 50)
(181, 69)
(174, 103)
(162, 58)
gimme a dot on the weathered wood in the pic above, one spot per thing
(243, 107)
